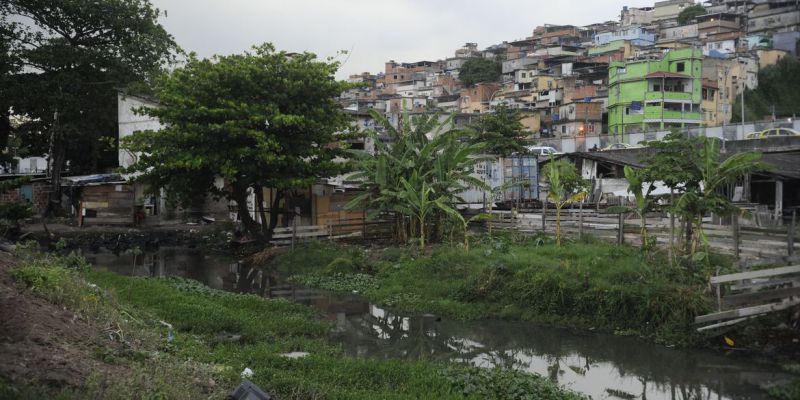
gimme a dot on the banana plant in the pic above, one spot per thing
(566, 187)
(710, 198)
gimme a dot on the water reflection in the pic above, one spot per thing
(602, 366)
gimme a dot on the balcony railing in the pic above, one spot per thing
(668, 95)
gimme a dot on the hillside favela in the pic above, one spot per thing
(256, 200)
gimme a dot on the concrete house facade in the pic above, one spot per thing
(655, 94)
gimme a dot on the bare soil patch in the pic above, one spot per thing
(44, 343)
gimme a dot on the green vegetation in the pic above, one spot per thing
(477, 70)
(565, 187)
(694, 169)
(62, 65)
(419, 177)
(190, 327)
(501, 130)
(776, 92)
(689, 13)
(585, 284)
(790, 390)
(259, 120)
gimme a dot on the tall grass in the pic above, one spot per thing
(586, 283)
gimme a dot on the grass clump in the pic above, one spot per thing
(584, 283)
(503, 383)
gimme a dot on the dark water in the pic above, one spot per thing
(602, 366)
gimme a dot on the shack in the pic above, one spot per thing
(102, 199)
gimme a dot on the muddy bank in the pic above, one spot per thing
(43, 342)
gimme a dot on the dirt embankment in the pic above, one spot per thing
(45, 344)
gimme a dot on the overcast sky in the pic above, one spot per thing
(373, 31)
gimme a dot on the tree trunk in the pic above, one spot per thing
(57, 160)
(688, 233)
(558, 224)
(250, 225)
(273, 213)
(644, 231)
(421, 233)
(262, 215)
(5, 128)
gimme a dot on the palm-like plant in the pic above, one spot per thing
(707, 199)
(566, 187)
(636, 179)
(419, 173)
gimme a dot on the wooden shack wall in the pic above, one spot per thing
(111, 204)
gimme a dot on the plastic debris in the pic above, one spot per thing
(295, 354)
(247, 373)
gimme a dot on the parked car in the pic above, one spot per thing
(774, 132)
(620, 146)
(542, 150)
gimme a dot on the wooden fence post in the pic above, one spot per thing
(580, 220)
(544, 213)
(294, 225)
(364, 224)
(790, 235)
(621, 229)
(736, 239)
(719, 289)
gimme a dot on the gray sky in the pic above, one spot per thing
(374, 31)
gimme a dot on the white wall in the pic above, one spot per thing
(129, 122)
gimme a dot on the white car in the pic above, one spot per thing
(542, 150)
(620, 146)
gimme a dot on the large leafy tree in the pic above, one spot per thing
(477, 70)
(501, 130)
(261, 119)
(68, 58)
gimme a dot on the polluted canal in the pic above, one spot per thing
(600, 365)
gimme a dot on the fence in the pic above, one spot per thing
(745, 242)
(748, 294)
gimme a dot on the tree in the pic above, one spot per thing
(419, 176)
(777, 92)
(694, 169)
(501, 130)
(477, 70)
(262, 119)
(566, 187)
(71, 57)
(690, 13)
(715, 175)
(674, 161)
(636, 179)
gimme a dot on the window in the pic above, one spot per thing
(656, 87)
(680, 67)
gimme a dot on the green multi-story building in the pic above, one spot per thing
(655, 94)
